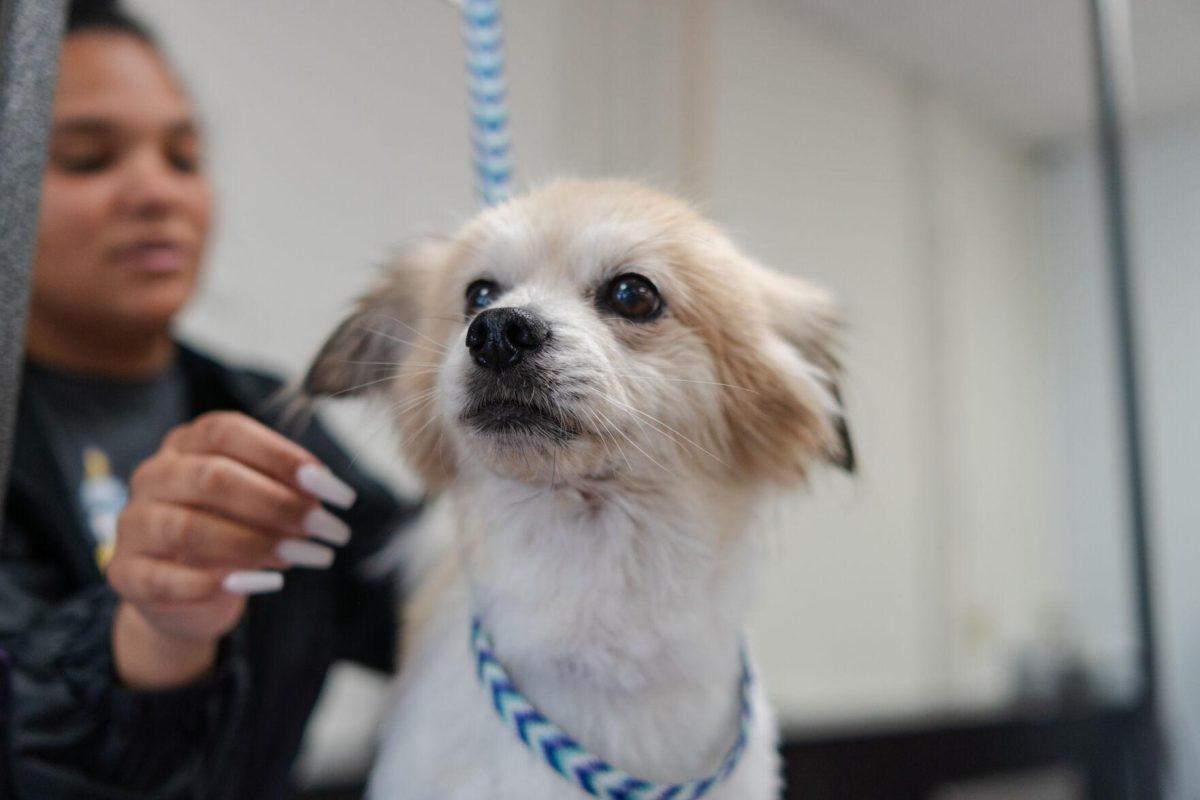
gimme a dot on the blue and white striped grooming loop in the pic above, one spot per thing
(492, 159)
(488, 92)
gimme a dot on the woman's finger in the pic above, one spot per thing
(141, 579)
(228, 488)
(243, 439)
(195, 537)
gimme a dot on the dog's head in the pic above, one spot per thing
(592, 332)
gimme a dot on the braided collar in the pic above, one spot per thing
(568, 758)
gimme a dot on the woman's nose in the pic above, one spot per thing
(151, 187)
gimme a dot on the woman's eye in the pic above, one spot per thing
(84, 163)
(183, 152)
(633, 297)
(481, 294)
(183, 162)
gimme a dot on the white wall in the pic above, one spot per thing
(337, 134)
(915, 585)
(1092, 557)
(998, 485)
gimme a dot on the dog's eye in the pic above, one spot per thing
(633, 297)
(480, 295)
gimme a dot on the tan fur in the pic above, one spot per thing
(777, 425)
(773, 418)
(432, 593)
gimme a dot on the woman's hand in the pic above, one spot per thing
(223, 495)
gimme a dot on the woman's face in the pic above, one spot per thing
(126, 200)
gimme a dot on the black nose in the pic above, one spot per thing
(498, 338)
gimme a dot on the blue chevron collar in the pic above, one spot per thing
(568, 758)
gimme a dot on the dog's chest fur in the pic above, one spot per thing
(619, 619)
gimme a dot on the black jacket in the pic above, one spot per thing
(70, 730)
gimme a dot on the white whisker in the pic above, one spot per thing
(620, 449)
(397, 410)
(417, 332)
(359, 386)
(398, 339)
(635, 444)
(668, 427)
(688, 380)
(413, 436)
(599, 432)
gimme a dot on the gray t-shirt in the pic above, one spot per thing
(100, 430)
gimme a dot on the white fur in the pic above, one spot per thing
(622, 625)
(611, 565)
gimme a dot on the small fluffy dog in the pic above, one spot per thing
(601, 385)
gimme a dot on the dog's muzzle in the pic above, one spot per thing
(509, 394)
(499, 338)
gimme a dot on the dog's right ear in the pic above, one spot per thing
(376, 350)
(369, 345)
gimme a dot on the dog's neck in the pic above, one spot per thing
(619, 603)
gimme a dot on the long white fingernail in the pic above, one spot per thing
(252, 582)
(323, 525)
(300, 553)
(323, 484)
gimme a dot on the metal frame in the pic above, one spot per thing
(30, 37)
(1110, 53)
(1112, 60)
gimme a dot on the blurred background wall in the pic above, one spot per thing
(1165, 175)
(929, 162)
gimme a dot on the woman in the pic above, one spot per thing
(155, 649)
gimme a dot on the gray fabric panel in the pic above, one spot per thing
(30, 33)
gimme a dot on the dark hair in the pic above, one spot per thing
(105, 15)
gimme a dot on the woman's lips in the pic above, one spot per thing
(157, 258)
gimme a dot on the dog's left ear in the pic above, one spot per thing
(808, 320)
